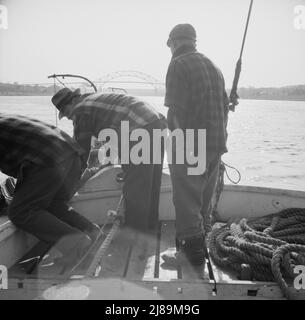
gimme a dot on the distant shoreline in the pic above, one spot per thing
(296, 99)
(287, 93)
(275, 99)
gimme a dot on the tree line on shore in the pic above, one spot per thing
(294, 92)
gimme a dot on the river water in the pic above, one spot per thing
(266, 138)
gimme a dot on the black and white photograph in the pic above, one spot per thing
(152, 152)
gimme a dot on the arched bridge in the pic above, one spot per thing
(145, 78)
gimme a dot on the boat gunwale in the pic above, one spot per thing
(264, 290)
(82, 196)
(265, 190)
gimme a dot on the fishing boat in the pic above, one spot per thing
(125, 264)
(130, 264)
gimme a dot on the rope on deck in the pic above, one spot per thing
(93, 269)
(270, 246)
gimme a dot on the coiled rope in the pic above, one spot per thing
(271, 246)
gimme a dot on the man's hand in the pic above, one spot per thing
(172, 119)
(88, 173)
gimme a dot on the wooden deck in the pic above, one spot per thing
(133, 268)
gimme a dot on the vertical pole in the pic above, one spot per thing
(56, 121)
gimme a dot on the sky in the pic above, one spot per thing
(97, 37)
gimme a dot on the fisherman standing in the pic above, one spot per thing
(91, 113)
(196, 98)
(46, 163)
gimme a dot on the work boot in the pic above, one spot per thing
(190, 249)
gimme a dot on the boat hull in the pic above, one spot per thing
(101, 194)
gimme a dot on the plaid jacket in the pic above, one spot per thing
(25, 141)
(106, 110)
(195, 92)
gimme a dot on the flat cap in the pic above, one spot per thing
(183, 31)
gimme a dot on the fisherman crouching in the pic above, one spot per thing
(46, 163)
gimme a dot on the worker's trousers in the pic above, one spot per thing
(192, 196)
(142, 186)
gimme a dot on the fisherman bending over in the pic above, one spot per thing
(92, 113)
(46, 163)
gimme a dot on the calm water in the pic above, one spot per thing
(266, 138)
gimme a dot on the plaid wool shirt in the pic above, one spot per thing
(195, 93)
(100, 111)
(24, 141)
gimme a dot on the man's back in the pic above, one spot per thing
(196, 86)
(108, 110)
(26, 140)
(195, 95)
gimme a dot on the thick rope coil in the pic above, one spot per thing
(271, 245)
(276, 265)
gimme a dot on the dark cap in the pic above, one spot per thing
(182, 31)
(63, 97)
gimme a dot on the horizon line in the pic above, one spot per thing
(138, 82)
